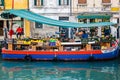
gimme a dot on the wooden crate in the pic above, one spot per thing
(18, 46)
(34, 48)
(20, 42)
(40, 44)
(60, 48)
(106, 44)
(88, 47)
(10, 46)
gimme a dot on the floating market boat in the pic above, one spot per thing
(38, 50)
(98, 48)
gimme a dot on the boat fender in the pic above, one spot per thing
(28, 58)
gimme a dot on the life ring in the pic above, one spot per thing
(28, 58)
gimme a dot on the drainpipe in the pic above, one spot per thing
(69, 29)
(70, 7)
(28, 4)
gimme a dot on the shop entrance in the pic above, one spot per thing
(1, 28)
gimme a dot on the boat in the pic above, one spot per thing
(91, 48)
(36, 49)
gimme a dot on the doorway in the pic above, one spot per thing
(1, 28)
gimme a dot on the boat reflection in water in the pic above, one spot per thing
(100, 70)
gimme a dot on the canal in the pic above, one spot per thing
(39, 70)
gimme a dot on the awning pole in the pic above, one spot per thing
(70, 7)
(119, 25)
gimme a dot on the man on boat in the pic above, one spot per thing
(19, 32)
(84, 35)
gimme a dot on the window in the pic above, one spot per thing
(82, 1)
(38, 2)
(39, 25)
(64, 18)
(63, 2)
(1, 2)
(64, 31)
(106, 1)
(106, 5)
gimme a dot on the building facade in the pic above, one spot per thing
(107, 7)
(65, 10)
(70, 10)
(55, 9)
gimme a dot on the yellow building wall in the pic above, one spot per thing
(8, 4)
(17, 4)
(27, 28)
(21, 4)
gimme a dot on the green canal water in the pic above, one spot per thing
(97, 70)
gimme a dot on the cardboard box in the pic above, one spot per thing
(33, 47)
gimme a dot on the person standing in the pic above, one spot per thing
(19, 32)
(84, 35)
(11, 32)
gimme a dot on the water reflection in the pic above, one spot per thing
(102, 70)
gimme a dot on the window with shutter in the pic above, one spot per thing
(106, 5)
(106, 1)
(38, 3)
(82, 1)
(39, 25)
(63, 2)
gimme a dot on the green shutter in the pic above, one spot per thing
(35, 2)
(42, 2)
(67, 2)
(59, 2)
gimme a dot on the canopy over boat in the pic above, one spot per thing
(94, 16)
(44, 20)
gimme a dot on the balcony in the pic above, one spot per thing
(51, 9)
(38, 6)
(82, 5)
(106, 7)
(92, 9)
(106, 3)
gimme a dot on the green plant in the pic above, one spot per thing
(27, 39)
(84, 41)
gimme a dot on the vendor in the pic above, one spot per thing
(11, 32)
(84, 35)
